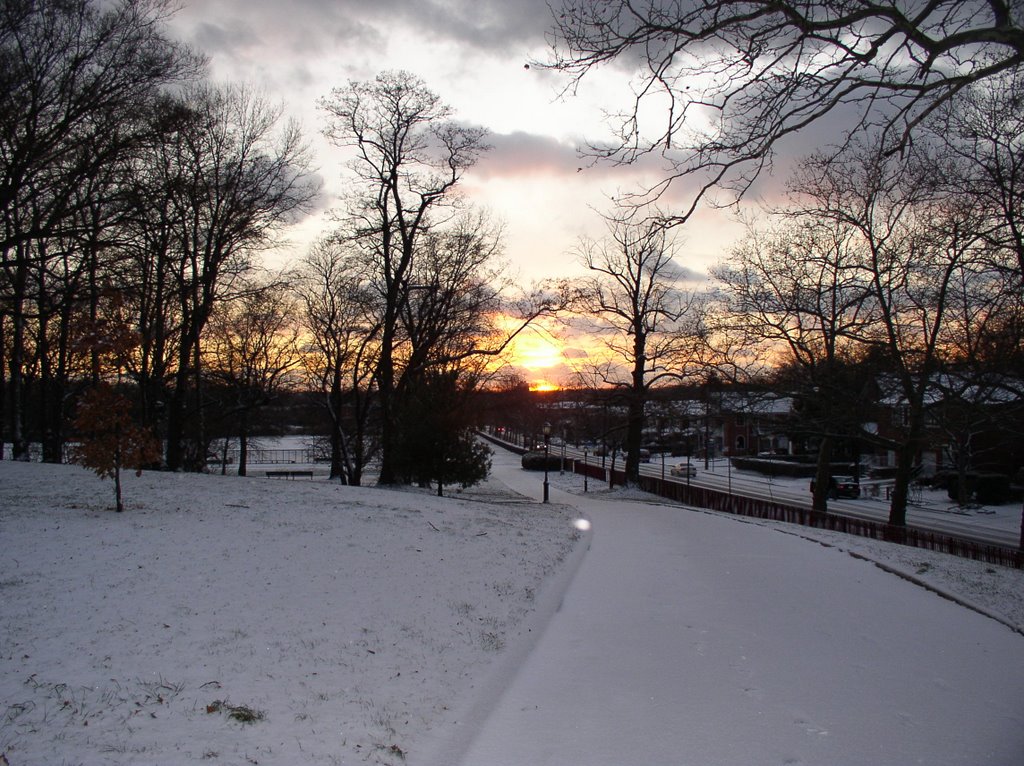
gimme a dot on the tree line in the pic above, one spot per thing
(137, 198)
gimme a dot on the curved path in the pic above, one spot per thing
(689, 638)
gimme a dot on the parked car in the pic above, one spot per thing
(684, 469)
(841, 486)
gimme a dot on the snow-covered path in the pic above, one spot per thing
(667, 650)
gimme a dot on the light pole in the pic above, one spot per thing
(561, 465)
(547, 444)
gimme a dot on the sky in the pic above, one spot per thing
(480, 58)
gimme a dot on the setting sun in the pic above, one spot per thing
(536, 349)
(537, 355)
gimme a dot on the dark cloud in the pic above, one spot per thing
(214, 38)
(258, 27)
(319, 25)
(487, 24)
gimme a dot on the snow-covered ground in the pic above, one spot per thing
(364, 625)
(351, 622)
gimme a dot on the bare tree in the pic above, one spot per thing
(340, 314)
(981, 133)
(755, 71)
(797, 293)
(76, 79)
(637, 298)
(252, 349)
(234, 180)
(923, 255)
(410, 158)
(449, 338)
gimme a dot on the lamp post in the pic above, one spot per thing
(561, 465)
(547, 444)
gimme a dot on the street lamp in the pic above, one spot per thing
(547, 444)
(561, 465)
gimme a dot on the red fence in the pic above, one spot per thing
(703, 497)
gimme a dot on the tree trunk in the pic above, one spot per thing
(51, 395)
(901, 487)
(117, 470)
(3, 382)
(243, 443)
(19, 447)
(823, 476)
(175, 420)
(386, 392)
(635, 421)
(337, 435)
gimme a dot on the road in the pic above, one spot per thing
(686, 639)
(999, 527)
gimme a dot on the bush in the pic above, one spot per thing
(534, 461)
(992, 489)
(983, 488)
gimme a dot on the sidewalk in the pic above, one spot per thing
(688, 638)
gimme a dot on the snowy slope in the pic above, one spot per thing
(351, 619)
(369, 626)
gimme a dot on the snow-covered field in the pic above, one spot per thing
(236, 621)
(348, 623)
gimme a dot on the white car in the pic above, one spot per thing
(684, 469)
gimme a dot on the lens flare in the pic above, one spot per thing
(581, 524)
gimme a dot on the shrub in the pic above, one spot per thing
(110, 439)
(534, 461)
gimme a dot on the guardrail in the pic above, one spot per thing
(716, 500)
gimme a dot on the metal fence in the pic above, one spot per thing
(716, 500)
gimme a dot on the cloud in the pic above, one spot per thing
(214, 38)
(525, 154)
(322, 25)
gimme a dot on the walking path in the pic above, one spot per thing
(689, 638)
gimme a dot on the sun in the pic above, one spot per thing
(536, 352)
(543, 385)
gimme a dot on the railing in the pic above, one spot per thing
(273, 456)
(716, 500)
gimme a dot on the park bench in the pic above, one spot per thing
(289, 474)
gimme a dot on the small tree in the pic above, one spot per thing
(110, 439)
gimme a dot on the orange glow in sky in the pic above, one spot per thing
(536, 352)
(538, 356)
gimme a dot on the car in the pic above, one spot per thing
(684, 469)
(841, 486)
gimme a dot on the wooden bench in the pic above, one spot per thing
(289, 474)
